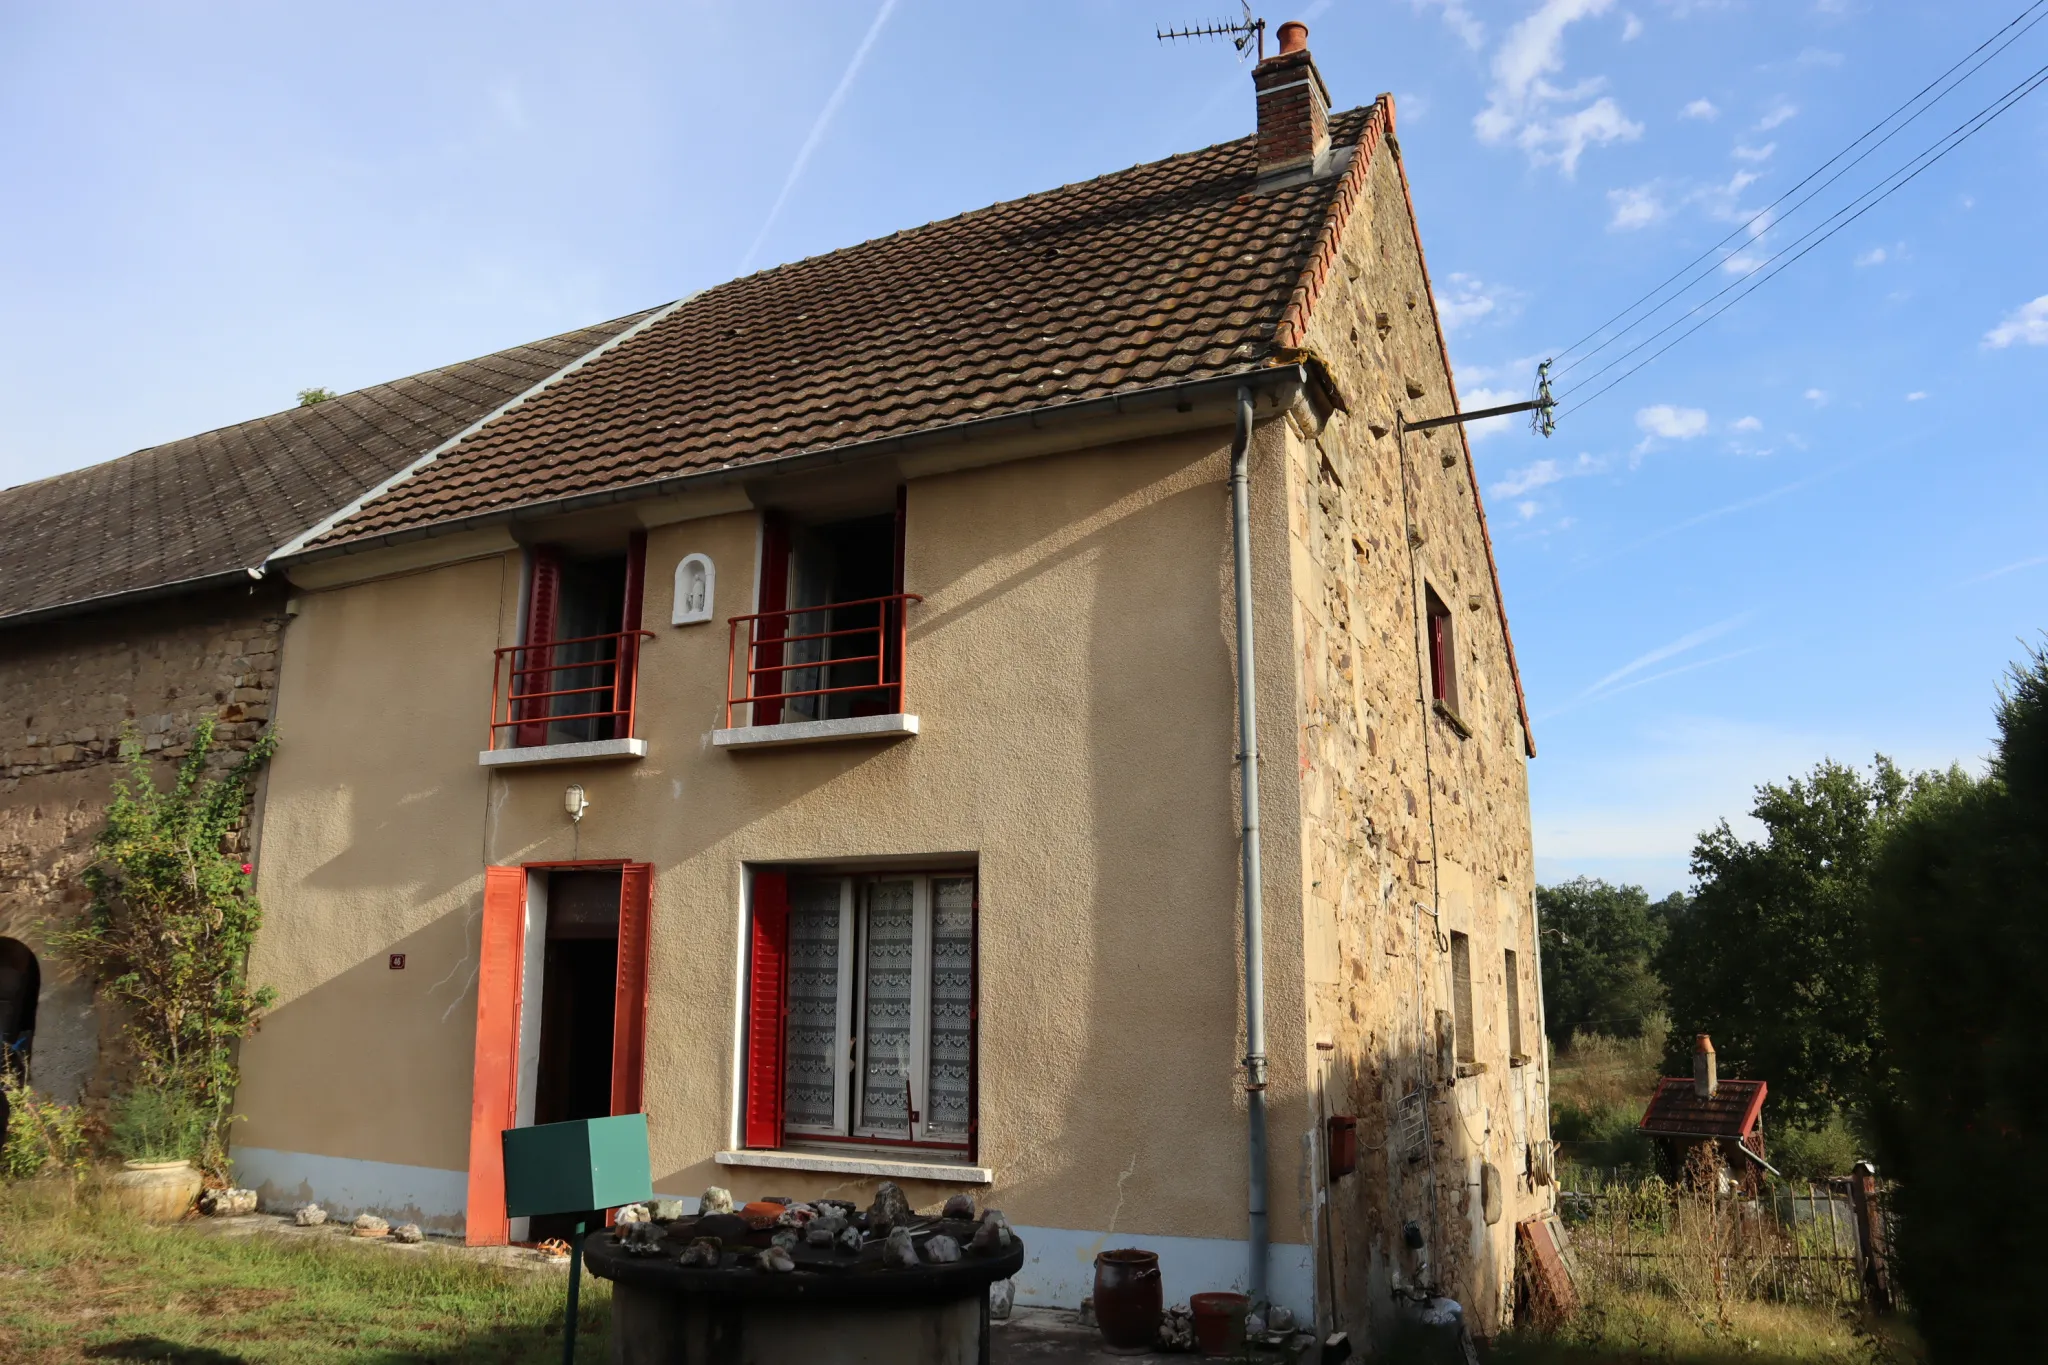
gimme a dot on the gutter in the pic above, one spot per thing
(1183, 396)
(1248, 795)
(224, 578)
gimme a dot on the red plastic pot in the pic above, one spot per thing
(1219, 1322)
(1127, 1298)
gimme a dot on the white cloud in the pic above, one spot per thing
(1817, 397)
(1458, 18)
(1701, 109)
(1522, 106)
(1635, 208)
(1482, 397)
(1819, 56)
(1631, 28)
(1781, 112)
(1466, 301)
(1542, 474)
(1672, 423)
(1747, 424)
(1528, 509)
(1742, 263)
(2028, 323)
(1874, 256)
(1763, 153)
(1528, 479)
(1916, 395)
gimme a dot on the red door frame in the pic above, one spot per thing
(501, 984)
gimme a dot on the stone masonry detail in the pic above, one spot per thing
(67, 690)
(1412, 830)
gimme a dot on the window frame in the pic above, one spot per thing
(849, 1133)
(1465, 1033)
(1511, 975)
(1443, 649)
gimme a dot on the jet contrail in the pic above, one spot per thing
(817, 134)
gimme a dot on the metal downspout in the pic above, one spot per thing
(1248, 791)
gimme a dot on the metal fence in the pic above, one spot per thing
(1822, 1243)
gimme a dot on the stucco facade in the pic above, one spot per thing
(1070, 666)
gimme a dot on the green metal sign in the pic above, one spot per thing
(577, 1167)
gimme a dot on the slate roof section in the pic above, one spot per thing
(1676, 1111)
(1168, 271)
(221, 502)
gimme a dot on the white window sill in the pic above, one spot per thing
(815, 732)
(585, 751)
(850, 1164)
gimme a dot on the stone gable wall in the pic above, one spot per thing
(67, 688)
(1411, 830)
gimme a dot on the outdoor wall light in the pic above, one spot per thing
(575, 802)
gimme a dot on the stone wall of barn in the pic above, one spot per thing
(68, 690)
(1416, 816)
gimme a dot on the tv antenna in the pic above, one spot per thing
(1245, 35)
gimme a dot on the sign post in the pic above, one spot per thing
(581, 1167)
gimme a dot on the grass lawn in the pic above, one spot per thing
(1624, 1329)
(80, 1282)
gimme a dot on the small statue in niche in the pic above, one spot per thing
(696, 585)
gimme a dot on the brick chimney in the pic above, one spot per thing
(1706, 1077)
(1294, 111)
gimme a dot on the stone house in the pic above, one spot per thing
(133, 594)
(812, 717)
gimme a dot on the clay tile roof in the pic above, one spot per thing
(1167, 271)
(1675, 1111)
(220, 502)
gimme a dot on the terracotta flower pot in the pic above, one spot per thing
(1219, 1323)
(156, 1191)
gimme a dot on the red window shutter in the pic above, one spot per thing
(626, 674)
(774, 596)
(1438, 685)
(493, 1104)
(629, 1012)
(543, 608)
(767, 973)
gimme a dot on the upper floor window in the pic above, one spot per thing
(827, 640)
(1443, 653)
(573, 677)
(861, 1010)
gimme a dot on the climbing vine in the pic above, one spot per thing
(172, 918)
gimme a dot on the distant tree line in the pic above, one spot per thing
(1879, 955)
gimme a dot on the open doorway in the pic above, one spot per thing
(21, 980)
(571, 1075)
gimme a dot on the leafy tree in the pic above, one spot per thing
(168, 932)
(308, 397)
(1771, 957)
(1959, 927)
(1599, 947)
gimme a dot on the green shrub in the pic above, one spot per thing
(1802, 1152)
(43, 1136)
(1957, 932)
(1602, 1135)
(152, 1124)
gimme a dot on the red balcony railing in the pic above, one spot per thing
(815, 663)
(563, 691)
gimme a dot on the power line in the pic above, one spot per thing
(1761, 214)
(1962, 134)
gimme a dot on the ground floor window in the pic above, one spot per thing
(861, 1010)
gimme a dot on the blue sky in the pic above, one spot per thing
(1814, 528)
